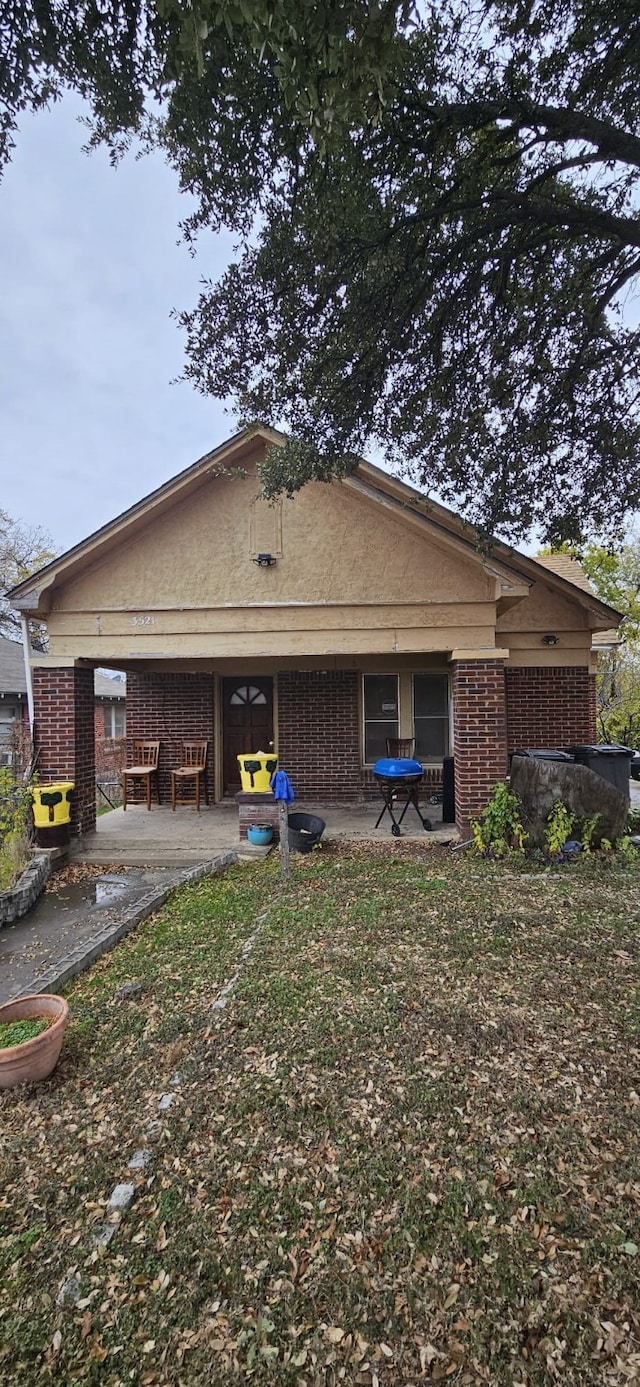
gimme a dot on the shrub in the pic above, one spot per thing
(15, 821)
(558, 828)
(499, 830)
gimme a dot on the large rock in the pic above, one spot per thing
(538, 784)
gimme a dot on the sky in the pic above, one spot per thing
(90, 270)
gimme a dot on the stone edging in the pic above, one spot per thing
(21, 897)
(101, 943)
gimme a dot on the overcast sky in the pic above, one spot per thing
(90, 270)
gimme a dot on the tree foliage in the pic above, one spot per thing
(437, 222)
(614, 574)
(23, 550)
(618, 696)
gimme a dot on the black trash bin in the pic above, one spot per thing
(448, 790)
(613, 763)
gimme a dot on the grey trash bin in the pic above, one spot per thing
(613, 763)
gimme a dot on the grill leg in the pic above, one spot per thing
(387, 808)
(410, 793)
(412, 798)
(387, 800)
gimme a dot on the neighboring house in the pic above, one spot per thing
(13, 699)
(109, 707)
(324, 624)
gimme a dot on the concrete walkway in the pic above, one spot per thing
(76, 922)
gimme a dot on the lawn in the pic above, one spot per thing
(406, 1151)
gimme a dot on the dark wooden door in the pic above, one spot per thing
(247, 723)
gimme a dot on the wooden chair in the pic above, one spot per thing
(194, 767)
(401, 748)
(145, 768)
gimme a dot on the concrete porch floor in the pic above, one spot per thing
(159, 837)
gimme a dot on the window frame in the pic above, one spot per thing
(377, 674)
(406, 709)
(111, 706)
(444, 718)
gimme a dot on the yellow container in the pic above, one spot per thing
(52, 803)
(256, 770)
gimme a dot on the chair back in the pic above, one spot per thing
(146, 754)
(401, 748)
(194, 755)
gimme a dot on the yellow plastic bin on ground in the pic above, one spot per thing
(52, 812)
(256, 770)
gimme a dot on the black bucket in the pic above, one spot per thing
(305, 830)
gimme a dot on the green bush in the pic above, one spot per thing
(15, 824)
(499, 830)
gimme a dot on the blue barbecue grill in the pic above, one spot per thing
(398, 779)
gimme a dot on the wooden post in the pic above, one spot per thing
(283, 829)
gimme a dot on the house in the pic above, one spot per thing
(358, 610)
(109, 708)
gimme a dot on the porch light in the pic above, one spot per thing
(550, 640)
(265, 560)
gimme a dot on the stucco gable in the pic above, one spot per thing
(546, 608)
(331, 545)
(392, 552)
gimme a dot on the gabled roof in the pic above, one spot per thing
(104, 687)
(513, 569)
(566, 567)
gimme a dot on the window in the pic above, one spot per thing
(9, 721)
(247, 693)
(431, 716)
(381, 713)
(115, 719)
(406, 705)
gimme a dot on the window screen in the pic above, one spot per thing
(380, 713)
(431, 716)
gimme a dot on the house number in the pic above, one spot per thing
(143, 620)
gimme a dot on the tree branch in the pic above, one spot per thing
(562, 123)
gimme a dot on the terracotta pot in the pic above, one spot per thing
(34, 1059)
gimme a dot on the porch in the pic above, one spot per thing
(160, 837)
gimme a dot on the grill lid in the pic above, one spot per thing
(395, 768)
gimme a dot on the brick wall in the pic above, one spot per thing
(480, 722)
(319, 734)
(172, 708)
(65, 736)
(550, 707)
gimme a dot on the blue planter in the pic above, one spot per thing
(260, 835)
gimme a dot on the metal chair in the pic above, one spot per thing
(194, 767)
(401, 748)
(145, 768)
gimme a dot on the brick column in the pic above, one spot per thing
(480, 733)
(65, 736)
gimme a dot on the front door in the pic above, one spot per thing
(247, 723)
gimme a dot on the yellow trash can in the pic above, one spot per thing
(52, 803)
(256, 770)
